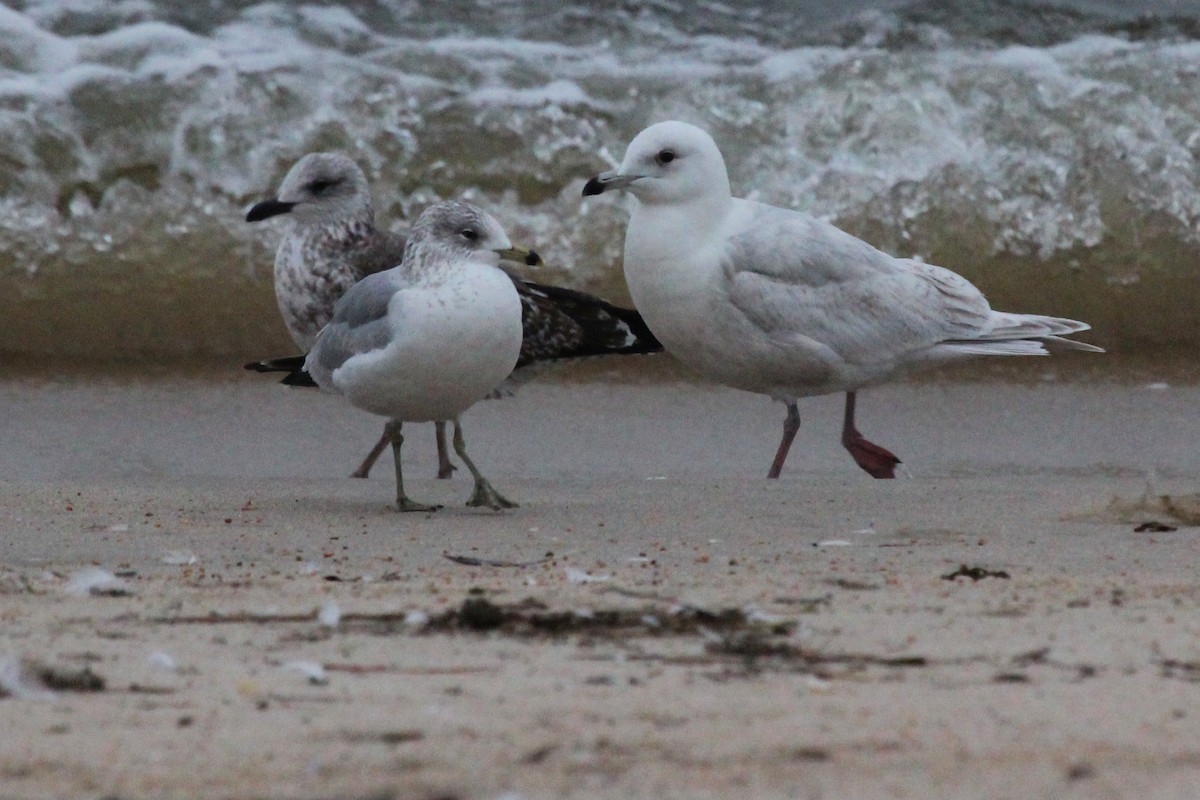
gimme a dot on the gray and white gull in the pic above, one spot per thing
(427, 339)
(777, 302)
(334, 242)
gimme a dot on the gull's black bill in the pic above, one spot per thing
(267, 209)
(594, 186)
(607, 181)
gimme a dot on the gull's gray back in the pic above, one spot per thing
(359, 325)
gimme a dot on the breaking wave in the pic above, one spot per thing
(1048, 151)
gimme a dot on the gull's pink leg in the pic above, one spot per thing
(878, 462)
(445, 465)
(791, 424)
(364, 469)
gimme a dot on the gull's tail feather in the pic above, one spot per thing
(565, 324)
(1071, 344)
(1024, 335)
(1016, 347)
(1030, 326)
(297, 375)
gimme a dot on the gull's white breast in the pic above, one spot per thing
(680, 282)
(451, 344)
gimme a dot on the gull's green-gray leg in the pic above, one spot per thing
(403, 503)
(484, 494)
(445, 465)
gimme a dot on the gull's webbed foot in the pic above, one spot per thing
(485, 495)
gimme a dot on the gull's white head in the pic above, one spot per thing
(320, 189)
(668, 163)
(453, 230)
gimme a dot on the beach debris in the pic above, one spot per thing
(1157, 386)
(13, 582)
(833, 543)
(235, 618)
(180, 558)
(975, 573)
(1184, 670)
(807, 605)
(1154, 526)
(851, 585)
(809, 754)
(1182, 508)
(532, 618)
(755, 614)
(162, 660)
(576, 575)
(28, 678)
(97, 582)
(1081, 771)
(312, 670)
(472, 561)
(383, 737)
(1153, 505)
(479, 614)
(1010, 677)
(330, 614)
(817, 684)
(416, 619)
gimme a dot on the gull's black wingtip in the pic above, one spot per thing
(267, 209)
(299, 377)
(292, 365)
(593, 187)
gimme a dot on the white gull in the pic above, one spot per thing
(777, 302)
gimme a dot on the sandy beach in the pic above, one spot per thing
(1016, 618)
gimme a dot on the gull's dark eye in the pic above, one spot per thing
(470, 234)
(320, 185)
(666, 156)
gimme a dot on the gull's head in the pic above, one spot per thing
(669, 162)
(459, 230)
(321, 188)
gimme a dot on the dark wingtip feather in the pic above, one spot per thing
(591, 326)
(293, 365)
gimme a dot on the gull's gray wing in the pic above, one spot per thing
(360, 324)
(799, 279)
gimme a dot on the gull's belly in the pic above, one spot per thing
(699, 326)
(446, 355)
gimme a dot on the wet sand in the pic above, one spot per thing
(666, 622)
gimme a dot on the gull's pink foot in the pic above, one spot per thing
(877, 461)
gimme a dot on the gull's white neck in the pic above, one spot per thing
(671, 267)
(660, 241)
